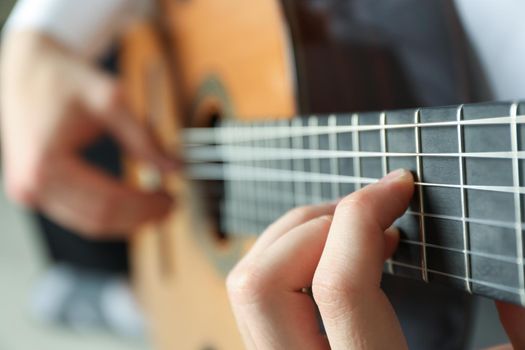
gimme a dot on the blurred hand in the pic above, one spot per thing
(55, 104)
(338, 250)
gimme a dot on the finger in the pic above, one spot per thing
(346, 283)
(105, 100)
(360, 221)
(391, 241)
(266, 292)
(512, 318)
(288, 221)
(99, 206)
(139, 141)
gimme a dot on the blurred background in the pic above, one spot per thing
(24, 259)
(26, 254)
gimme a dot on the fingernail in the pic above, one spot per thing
(396, 175)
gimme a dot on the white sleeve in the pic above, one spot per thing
(87, 27)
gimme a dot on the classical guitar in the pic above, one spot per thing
(205, 76)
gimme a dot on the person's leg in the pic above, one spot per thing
(86, 283)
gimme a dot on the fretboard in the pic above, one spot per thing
(464, 226)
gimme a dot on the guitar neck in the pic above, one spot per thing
(464, 225)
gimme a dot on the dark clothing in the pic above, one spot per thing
(362, 55)
(69, 247)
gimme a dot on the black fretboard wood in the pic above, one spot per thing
(464, 224)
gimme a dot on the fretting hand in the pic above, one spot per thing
(339, 250)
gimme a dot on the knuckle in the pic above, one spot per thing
(246, 284)
(333, 294)
(328, 288)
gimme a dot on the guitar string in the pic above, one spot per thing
(224, 132)
(270, 218)
(295, 198)
(514, 156)
(489, 256)
(497, 286)
(237, 172)
(270, 197)
(320, 130)
(486, 255)
(239, 153)
(499, 257)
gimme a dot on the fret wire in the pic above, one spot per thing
(422, 228)
(468, 280)
(270, 209)
(231, 193)
(384, 165)
(210, 135)
(232, 205)
(355, 148)
(384, 171)
(517, 200)
(287, 185)
(334, 162)
(258, 188)
(253, 184)
(241, 209)
(240, 172)
(242, 189)
(314, 162)
(267, 184)
(300, 187)
(466, 236)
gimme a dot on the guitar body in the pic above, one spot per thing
(179, 265)
(231, 59)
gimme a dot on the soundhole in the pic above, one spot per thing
(213, 192)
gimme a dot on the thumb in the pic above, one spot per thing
(104, 99)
